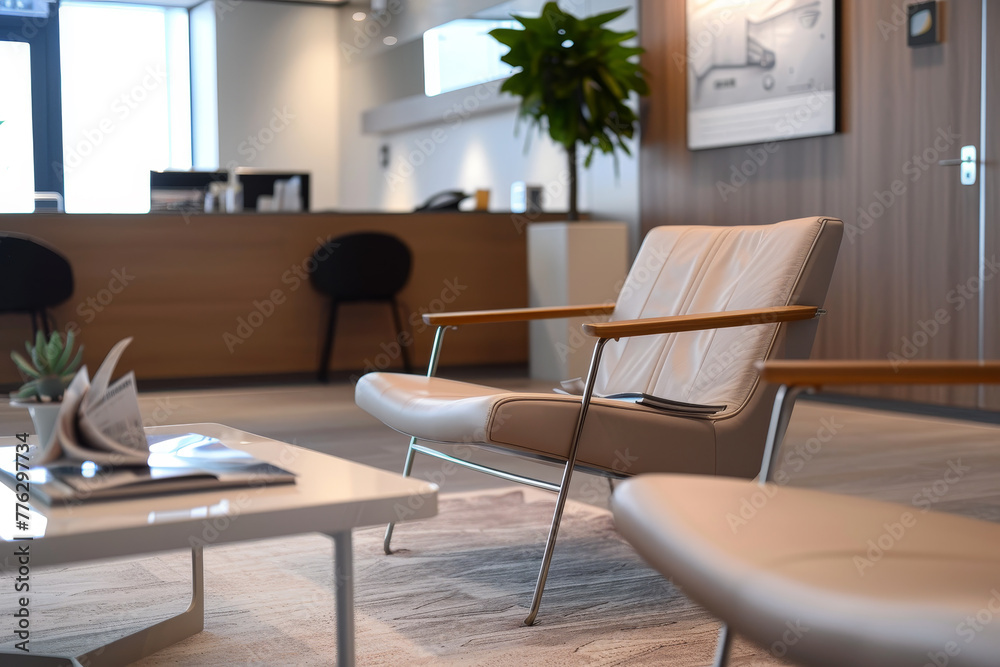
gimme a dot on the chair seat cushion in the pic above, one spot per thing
(822, 578)
(447, 411)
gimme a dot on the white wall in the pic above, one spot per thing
(278, 79)
(462, 152)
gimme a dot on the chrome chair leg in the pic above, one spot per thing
(550, 543)
(725, 643)
(781, 413)
(407, 467)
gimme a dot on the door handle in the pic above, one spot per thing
(967, 162)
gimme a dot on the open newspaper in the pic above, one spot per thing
(101, 452)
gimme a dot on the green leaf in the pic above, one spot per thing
(24, 366)
(66, 352)
(27, 390)
(75, 364)
(53, 349)
(38, 351)
(600, 19)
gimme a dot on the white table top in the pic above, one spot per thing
(330, 495)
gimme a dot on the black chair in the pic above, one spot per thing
(366, 266)
(33, 278)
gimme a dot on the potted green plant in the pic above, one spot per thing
(49, 368)
(575, 80)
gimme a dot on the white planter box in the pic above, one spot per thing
(571, 263)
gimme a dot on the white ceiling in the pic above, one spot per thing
(194, 3)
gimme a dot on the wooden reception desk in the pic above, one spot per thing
(210, 296)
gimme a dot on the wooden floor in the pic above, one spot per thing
(893, 456)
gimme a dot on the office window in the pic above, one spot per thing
(126, 102)
(17, 163)
(461, 53)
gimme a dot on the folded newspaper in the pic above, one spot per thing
(100, 421)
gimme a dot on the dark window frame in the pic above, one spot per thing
(42, 37)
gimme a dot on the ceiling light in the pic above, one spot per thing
(359, 16)
(389, 41)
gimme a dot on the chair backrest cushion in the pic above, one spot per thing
(703, 269)
(33, 276)
(361, 266)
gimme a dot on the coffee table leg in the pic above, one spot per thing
(145, 642)
(343, 577)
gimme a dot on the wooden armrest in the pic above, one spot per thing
(516, 314)
(678, 323)
(819, 373)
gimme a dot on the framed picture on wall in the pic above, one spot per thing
(760, 70)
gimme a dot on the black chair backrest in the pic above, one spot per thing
(366, 266)
(32, 275)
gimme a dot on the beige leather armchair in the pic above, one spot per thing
(802, 575)
(700, 305)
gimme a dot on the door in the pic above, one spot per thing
(990, 180)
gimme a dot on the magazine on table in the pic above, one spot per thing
(101, 451)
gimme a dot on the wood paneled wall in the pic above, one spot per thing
(900, 271)
(182, 286)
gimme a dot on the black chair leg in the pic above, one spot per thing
(404, 349)
(324, 364)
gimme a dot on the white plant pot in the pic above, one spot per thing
(44, 417)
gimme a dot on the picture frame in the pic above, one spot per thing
(760, 71)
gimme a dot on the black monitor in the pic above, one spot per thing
(181, 191)
(257, 183)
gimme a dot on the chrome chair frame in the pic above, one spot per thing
(781, 413)
(562, 489)
(779, 422)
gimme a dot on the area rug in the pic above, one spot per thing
(455, 593)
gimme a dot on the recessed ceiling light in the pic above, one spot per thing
(389, 41)
(360, 16)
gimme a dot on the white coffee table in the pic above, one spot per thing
(330, 496)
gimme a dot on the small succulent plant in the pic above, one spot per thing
(50, 369)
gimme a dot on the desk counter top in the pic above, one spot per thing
(214, 295)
